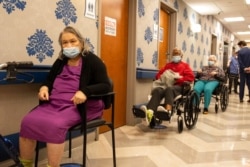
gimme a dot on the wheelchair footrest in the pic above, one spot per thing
(162, 115)
(138, 112)
(159, 127)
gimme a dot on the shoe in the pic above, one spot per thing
(248, 101)
(205, 111)
(241, 101)
(236, 92)
(149, 114)
(161, 108)
(229, 92)
(138, 113)
(163, 114)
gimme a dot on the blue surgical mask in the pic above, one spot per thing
(71, 52)
(210, 63)
(176, 59)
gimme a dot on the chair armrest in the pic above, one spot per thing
(186, 83)
(107, 98)
(102, 95)
(220, 79)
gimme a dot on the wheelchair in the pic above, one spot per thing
(221, 96)
(187, 104)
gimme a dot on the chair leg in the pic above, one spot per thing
(84, 148)
(37, 154)
(70, 144)
(96, 134)
(113, 146)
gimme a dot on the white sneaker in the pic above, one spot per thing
(149, 114)
(144, 108)
(163, 113)
(161, 108)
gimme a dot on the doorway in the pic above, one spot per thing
(114, 52)
(167, 33)
(163, 38)
(225, 55)
(213, 44)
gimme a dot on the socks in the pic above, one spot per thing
(26, 163)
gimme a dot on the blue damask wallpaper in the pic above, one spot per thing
(195, 46)
(40, 45)
(66, 11)
(10, 6)
(30, 29)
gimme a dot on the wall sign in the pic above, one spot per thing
(110, 26)
(90, 9)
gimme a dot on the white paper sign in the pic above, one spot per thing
(90, 9)
(110, 26)
(155, 33)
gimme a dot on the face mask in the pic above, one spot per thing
(71, 52)
(210, 63)
(176, 59)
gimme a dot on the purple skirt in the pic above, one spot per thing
(50, 121)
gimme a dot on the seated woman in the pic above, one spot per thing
(73, 78)
(169, 92)
(209, 77)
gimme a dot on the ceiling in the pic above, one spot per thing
(221, 9)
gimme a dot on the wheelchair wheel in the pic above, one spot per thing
(216, 107)
(180, 123)
(191, 110)
(224, 98)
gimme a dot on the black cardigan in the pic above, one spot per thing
(93, 79)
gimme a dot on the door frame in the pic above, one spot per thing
(172, 28)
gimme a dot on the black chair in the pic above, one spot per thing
(93, 125)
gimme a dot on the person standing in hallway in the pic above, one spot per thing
(244, 67)
(233, 71)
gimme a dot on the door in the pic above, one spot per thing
(163, 38)
(114, 52)
(225, 55)
(213, 44)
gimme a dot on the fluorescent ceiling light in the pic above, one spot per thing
(204, 8)
(248, 1)
(233, 19)
(243, 33)
(247, 40)
(196, 27)
(248, 26)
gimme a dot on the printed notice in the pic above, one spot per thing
(155, 33)
(90, 9)
(110, 26)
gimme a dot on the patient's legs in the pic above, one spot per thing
(55, 153)
(156, 96)
(170, 94)
(27, 148)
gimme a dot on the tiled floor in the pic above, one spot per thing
(218, 140)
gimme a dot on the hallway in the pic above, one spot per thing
(218, 140)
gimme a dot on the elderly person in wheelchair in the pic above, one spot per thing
(168, 88)
(209, 78)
